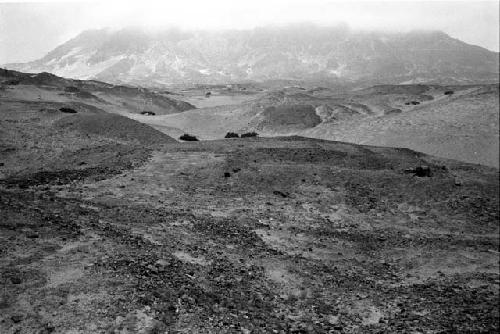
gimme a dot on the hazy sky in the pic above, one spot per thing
(28, 30)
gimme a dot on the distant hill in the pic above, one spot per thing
(301, 52)
(457, 122)
(119, 99)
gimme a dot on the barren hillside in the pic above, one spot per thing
(109, 226)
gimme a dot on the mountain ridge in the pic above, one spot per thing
(301, 52)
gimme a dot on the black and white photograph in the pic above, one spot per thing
(249, 166)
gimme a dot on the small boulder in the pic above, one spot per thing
(280, 193)
(15, 280)
(32, 235)
(420, 171)
(16, 318)
(423, 171)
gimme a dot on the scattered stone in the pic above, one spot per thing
(280, 193)
(47, 329)
(333, 319)
(161, 264)
(32, 235)
(420, 171)
(152, 268)
(16, 318)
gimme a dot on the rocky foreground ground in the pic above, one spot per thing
(283, 235)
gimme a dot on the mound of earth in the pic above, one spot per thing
(114, 126)
(288, 117)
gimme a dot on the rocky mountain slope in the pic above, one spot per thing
(300, 52)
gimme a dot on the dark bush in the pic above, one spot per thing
(208, 94)
(448, 92)
(249, 134)
(67, 110)
(232, 135)
(187, 137)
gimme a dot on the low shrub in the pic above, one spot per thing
(249, 134)
(232, 135)
(187, 137)
(67, 110)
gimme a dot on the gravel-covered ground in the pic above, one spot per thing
(283, 235)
